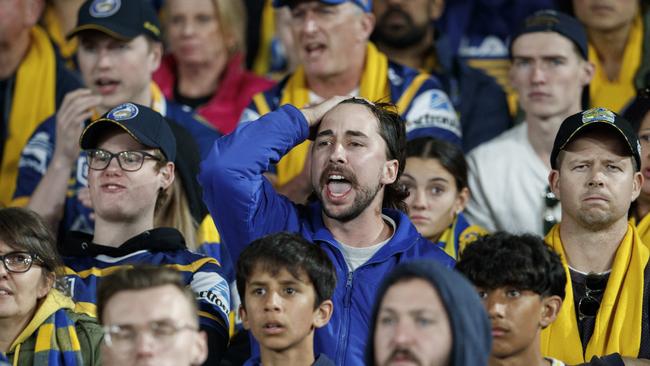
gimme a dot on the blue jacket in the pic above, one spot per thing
(245, 207)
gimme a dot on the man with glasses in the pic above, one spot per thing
(131, 152)
(149, 316)
(508, 175)
(595, 174)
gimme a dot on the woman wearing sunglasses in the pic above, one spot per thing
(37, 323)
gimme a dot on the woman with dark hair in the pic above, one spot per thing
(637, 114)
(436, 178)
(37, 323)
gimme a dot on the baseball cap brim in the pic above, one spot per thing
(95, 130)
(121, 34)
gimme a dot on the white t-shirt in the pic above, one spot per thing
(508, 182)
(355, 257)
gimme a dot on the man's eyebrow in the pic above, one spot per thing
(355, 133)
(325, 133)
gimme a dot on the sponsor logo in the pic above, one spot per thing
(104, 8)
(432, 109)
(212, 288)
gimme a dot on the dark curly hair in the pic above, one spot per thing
(522, 261)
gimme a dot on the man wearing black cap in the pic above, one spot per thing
(119, 49)
(508, 175)
(595, 174)
(131, 152)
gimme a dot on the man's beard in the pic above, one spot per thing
(596, 221)
(362, 199)
(413, 34)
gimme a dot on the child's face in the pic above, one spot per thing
(280, 312)
(517, 316)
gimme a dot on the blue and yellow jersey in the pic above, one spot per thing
(457, 236)
(158, 247)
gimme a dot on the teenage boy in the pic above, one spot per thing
(119, 49)
(131, 152)
(285, 284)
(521, 282)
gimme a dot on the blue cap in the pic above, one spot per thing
(145, 126)
(366, 5)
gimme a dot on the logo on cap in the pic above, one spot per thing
(123, 112)
(104, 8)
(598, 114)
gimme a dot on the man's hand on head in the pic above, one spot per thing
(314, 113)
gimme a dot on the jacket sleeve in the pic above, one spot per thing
(242, 202)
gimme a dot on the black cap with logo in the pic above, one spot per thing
(596, 117)
(121, 19)
(145, 125)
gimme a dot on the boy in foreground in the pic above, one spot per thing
(522, 284)
(285, 284)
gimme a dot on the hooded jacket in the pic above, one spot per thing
(470, 327)
(245, 207)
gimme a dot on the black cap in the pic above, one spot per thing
(554, 21)
(121, 19)
(145, 125)
(590, 118)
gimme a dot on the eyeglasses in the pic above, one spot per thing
(588, 305)
(130, 161)
(550, 202)
(19, 262)
(124, 337)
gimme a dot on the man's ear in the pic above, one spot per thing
(554, 182)
(167, 174)
(389, 175)
(551, 306)
(637, 184)
(244, 317)
(199, 348)
(323, 313)
(367, 26)
(436, 8)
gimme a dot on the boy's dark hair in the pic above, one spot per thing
(275, 252)
(524, 262)
(450, 156)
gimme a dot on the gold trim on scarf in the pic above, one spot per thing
(618, 322)
(33, 101)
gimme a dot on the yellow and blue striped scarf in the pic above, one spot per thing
(57, 343)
